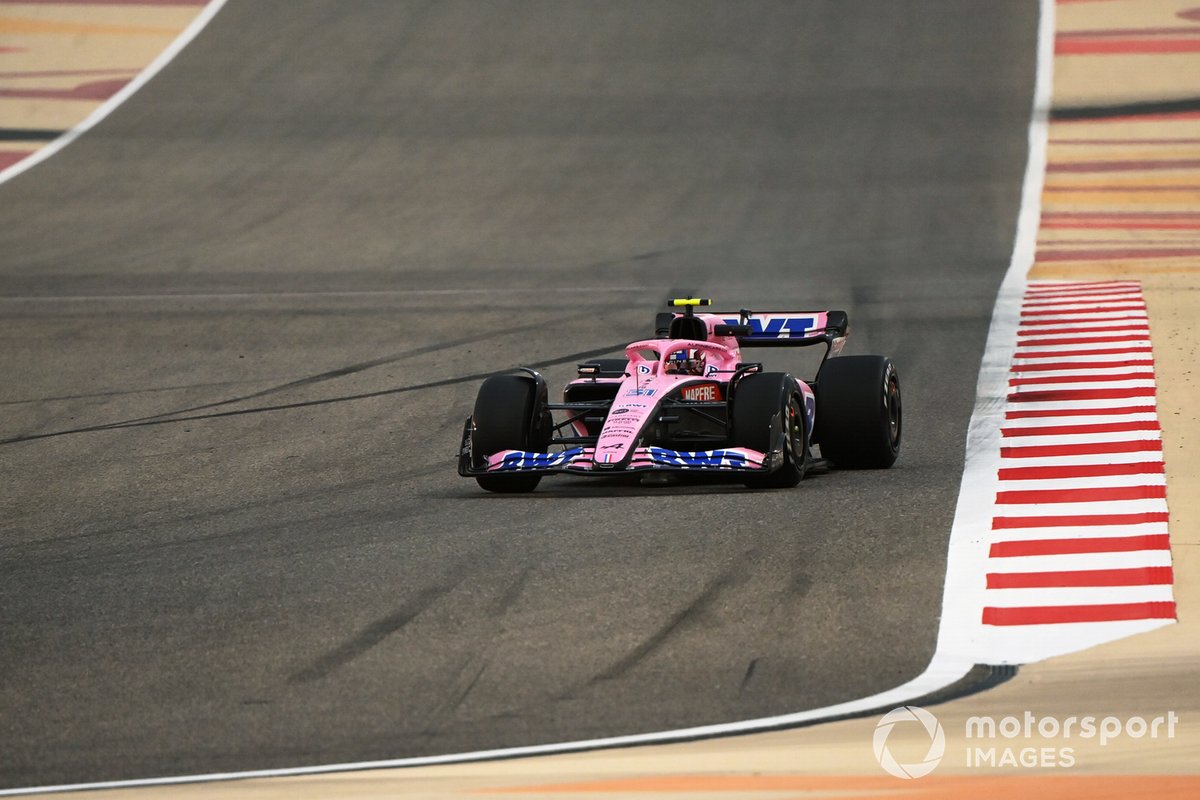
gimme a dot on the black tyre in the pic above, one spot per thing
(859, 412)
(756, 402)
(504, 420)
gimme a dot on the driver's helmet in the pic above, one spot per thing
(686, 362)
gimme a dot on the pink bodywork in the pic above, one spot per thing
(648, 382)
(645, 384)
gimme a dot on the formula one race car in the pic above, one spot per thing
(686, 402)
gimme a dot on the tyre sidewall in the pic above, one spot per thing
(858, 399)
(504, 419)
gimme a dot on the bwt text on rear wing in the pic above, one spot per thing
(771, 328)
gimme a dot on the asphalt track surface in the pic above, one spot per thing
(243, 319)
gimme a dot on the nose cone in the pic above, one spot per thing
(633, 406)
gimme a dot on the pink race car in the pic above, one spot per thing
(686, 402)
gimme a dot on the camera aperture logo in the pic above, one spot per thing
(937, 742)
(1028, 741)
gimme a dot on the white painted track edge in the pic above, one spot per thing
(967, 559)
(950, 661)
(941, 673)
(108, 106)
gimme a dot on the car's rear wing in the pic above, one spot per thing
(769, 328)
(782, 328)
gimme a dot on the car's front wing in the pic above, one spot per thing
(585, 461)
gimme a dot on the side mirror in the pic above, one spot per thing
(662, 324)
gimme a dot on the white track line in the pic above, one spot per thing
(969, 559)
(1080, 561)
(1018, 442)
(1070, 410)
(1033, 423)
(1024, 373)
(1091, 482)
(143, 77)
(1045, 511)
(1045, 636)
(1057, 532)
(1132, 457)
(1080, 595)
(954, 655)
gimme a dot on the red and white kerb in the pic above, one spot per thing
(1079, 532)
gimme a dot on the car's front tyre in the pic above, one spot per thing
(504, 420)
(756, 402)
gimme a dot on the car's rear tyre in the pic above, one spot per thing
(756, 401)
(859, 412)
(504, 420)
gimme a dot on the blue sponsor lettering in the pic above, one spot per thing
(525, 460)
(640, 392)
(700, 459)
(777, 327)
